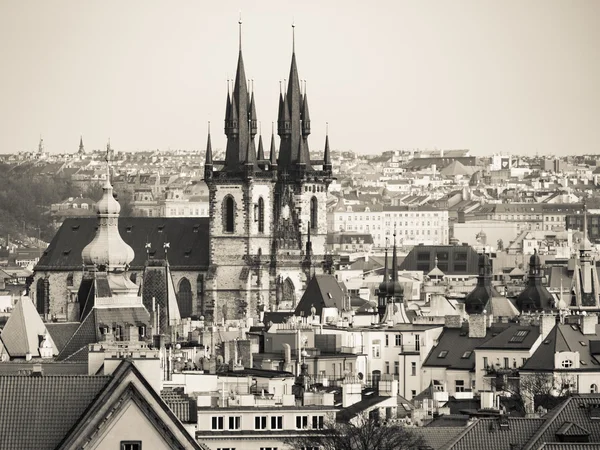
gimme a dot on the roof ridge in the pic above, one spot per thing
(460, 435)
(553, 414)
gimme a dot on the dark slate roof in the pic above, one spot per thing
(456, 342)
(85, 335)
(61, 332)
(565, 338)
(38, 411)
(188, 237)
(48, 368)
(507, 339)
(323, 291)
(451, 258)
(367, 401)
(490, 431)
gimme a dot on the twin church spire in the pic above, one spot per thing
(241, 127)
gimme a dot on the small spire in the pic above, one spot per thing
(273, 156)
(209, 158)
(293, 36)
(261, 152)
(327, 154)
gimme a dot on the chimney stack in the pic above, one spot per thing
(588, 324)
(477, 325)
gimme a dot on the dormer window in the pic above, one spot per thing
(566, 364)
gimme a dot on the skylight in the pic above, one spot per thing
(466, 354)
(443, 354)
(519, 336)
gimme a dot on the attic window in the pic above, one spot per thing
(443, 354)
(547, 341)
(75, 227)
(128, 229)
(188, 253)
(583, 363)
(574, 327)
(466, 354)
(161, 228)
(66, 252)
(329, 295)
(519, 336)
(196, 228)
(152, 252)
(583, 343)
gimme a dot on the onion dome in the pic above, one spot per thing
(108, 249)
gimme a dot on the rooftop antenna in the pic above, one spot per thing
(293, 36)
(240, 29)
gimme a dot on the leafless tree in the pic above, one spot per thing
(362, 433)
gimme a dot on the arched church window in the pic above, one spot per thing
(42, 296)
(314, 213)
(184, 298)
(229, 214)
(200, 291)
(261, 215)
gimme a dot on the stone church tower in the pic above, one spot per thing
(268, 216)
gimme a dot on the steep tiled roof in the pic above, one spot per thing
(24, 329)
(188, 238)
(323, 291)
(37, 411)
(509, 338)
(574, 409)
(497, 433)
(437, 437)
(85, 334)
(61, 332)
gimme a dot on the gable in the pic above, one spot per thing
(128, 401)
(129, 423)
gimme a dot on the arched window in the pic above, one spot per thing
(314, 213)
(42, 296)
(70, 279)
(184, 298)
(594, 389)
(229, 214)
(261, 215)
(200, 292)
(567, 363)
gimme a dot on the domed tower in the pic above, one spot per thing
(535, 297)
(476, 300)
(107, 251)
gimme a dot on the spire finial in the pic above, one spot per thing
(293, 36)
(272, 127)
(326, 128)
(280, 91)
(209, 127)
(260, 128)
(240, 29)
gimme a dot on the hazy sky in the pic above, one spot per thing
(515, 76)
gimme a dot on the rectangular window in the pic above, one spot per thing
(396, 367)
(131, 445)
(301, 422)
(387, 340)
(387, 367)
(317, 422)
(260, 422)
(413, 368)
(276, 422)
(398, 340)
(234, 422)
(217, 423)
(485, 362)
(417, 342)
(506, 366)
(376, 351)
(459, 386)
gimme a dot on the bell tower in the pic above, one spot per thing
(240, 194)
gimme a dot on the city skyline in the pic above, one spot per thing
(489, 76)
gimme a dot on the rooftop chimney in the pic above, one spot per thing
(588, 324)
(477, 328)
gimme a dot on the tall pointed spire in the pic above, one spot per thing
(81, 150)
(327, 153)
(208, 162)
(228, 123)
(253, 117)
